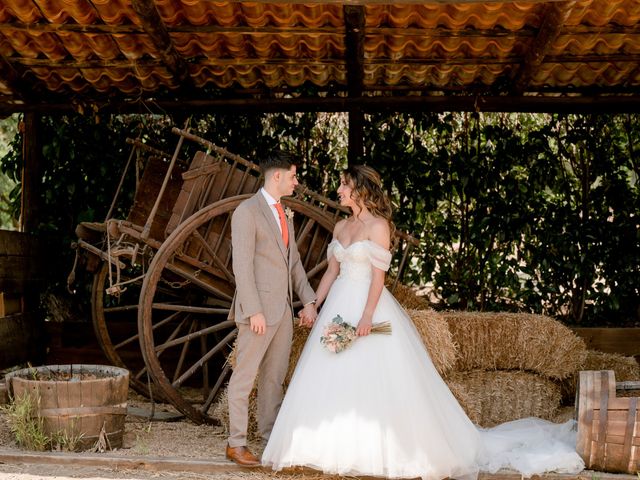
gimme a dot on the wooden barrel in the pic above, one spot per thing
(79, 402)
(608, 427)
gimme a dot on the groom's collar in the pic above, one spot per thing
(267, 196)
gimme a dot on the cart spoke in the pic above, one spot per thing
(155, 326)
(214, 257)
(188, 308)
(196, 334)
(196, 281)
(204, 359)
(216, 388)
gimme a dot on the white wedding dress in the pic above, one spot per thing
(380, 408)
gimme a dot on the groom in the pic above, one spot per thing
(267, 270)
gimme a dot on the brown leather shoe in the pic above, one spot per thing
(242, 456)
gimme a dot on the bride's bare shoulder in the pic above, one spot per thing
(338, 227)
(380, 232)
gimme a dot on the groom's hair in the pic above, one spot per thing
(277, 159)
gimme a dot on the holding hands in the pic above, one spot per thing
(308, 315)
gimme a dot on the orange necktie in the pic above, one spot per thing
(283, 224)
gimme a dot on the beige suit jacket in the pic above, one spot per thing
(266, 272)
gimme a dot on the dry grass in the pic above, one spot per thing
(437, 338)
(515, 341)
(625, 369)
(490, 398)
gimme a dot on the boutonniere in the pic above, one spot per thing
(289, 213)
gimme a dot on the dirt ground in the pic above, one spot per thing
(176, 439)
(143, 438)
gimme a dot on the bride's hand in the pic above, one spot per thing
(364, 326)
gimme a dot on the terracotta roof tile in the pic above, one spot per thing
(101, 46)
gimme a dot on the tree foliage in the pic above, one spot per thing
(523, 212)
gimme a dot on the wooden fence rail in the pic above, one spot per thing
(22, 277)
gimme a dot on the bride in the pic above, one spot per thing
(380, 408)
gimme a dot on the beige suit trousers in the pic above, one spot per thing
(266, 356)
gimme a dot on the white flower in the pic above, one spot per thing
(289, 213)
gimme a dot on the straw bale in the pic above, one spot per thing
(300, 335)
(625, 369)
(220, 411)
(564, 414)
(470, 404)
(437, 339)
(407, 297)
(502, 396)
(515, 341)
(221, 407)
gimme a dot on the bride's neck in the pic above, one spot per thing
(360, 213)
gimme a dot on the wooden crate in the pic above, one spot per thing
(608, 426)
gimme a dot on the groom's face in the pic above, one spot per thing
(286, 181)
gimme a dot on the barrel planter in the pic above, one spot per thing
(608, 426)
(77, 400)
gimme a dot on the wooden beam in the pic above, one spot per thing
(555, 16)
(31, 173)
(13, 77)
(403, 2)
(355, 150)
(442, 103)
(354, 25)
(157, 31)
(354, 42)
(127, 29)
(224, 62)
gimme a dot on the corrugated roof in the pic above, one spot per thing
(103, 48)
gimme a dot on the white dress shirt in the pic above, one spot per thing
(271, 202)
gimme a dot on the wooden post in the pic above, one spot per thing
(356, 136)
(32, 167)
(354, 24)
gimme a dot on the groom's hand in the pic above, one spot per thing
(308, 315)
(258, 323)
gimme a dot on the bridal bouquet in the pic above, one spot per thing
(339, 335)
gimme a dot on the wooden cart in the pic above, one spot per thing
(163, 276)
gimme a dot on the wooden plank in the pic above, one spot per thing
(20, 243)
(10, 304)
(218, 465)
(556, 14)
(157, 30)
(523, 32)
(21, 339)
(625, 341)
(590, 103)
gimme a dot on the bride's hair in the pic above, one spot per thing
(367, 190)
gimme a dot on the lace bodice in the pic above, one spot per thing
(357, 259)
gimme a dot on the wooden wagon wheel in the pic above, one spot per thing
(193, 335)
(115, 326)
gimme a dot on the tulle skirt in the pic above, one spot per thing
(380, 408)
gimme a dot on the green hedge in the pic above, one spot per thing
(524, 212)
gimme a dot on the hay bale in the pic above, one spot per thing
(220, 411)
(501, 396)
(406, 296)
(300, 335)
(435, 334)
(470, 404)
(625, 369)
(515, 341)
(221, 408)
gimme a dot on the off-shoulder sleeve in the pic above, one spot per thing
(331, 249)
(380, 256)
